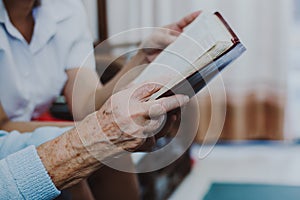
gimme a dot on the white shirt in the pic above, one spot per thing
(33, 75)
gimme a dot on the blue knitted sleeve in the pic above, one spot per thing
(23, 176)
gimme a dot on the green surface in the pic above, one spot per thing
(230, 191)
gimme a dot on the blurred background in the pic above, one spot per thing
(262, 87)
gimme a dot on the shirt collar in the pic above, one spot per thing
(4, 19)
(47, 17)
(58, 11)
(44, 29)
(2, 12)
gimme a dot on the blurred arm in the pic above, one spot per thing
(7, 125)
(90, 95)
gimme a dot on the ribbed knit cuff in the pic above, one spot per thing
(31, 176)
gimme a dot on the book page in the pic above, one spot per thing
(199, 64)
(178, 58)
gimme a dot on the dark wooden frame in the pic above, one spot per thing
(102, 20)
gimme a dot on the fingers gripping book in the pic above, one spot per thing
(202, 51)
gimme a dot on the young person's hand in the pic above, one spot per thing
(166, 35)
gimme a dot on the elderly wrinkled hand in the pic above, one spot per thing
(128, 119)
(162, 37)
(124, 123)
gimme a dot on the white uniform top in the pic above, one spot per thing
(33, 75)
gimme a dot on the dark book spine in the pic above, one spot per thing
(198, 80)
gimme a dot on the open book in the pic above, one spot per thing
(205, 48)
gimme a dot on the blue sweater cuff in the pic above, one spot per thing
(30, 175)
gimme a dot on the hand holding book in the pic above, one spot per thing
(204, 49)
(163, 37)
